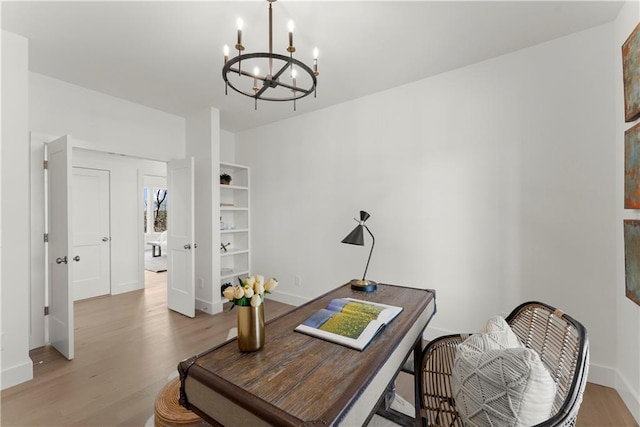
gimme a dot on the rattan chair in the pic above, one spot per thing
(560, 340)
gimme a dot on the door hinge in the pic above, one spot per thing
(46, 237)
(46, 311)
(45, 164)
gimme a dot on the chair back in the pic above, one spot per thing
(560, 340)
(562, 344)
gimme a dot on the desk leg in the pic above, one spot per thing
(417, 370)
(384, 407)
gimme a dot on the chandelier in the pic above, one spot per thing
(285, 79)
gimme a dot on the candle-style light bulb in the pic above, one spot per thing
(315, 61)
(291, 27)
(256, 73)
(240, 23)
(225, 49)
(239, 46)
(294, 73)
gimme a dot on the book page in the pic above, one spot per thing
(349, 321)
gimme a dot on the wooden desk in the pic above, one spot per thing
(299, 380)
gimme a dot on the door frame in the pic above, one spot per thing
(39, 281)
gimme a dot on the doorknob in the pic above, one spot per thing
(187, 246)
(76, 258)
(105, 239)
(61, 260)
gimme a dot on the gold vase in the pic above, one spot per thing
(250, 328)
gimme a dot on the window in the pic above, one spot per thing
(155, 207)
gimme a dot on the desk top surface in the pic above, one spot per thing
(299, 379)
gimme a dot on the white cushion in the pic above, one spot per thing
(496, 381)
(496, 335)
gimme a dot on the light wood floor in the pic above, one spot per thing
(126, 345)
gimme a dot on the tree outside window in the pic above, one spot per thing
(155, 206)
(160, 209)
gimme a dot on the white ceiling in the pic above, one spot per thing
(168, 55)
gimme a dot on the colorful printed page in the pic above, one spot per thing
(349, 322)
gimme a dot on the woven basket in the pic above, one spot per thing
(168, 411)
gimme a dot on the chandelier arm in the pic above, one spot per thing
(262, 90)
(246, 73)
(301, 92)
(288, 86)
(281, 70)
(274, 83)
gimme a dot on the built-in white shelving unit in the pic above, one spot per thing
(235, 261)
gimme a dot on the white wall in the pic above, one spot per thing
(492, 184)
(627, 379)
(14, 242)
(102, 122)
(227, 147)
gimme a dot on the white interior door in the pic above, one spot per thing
(60, 265)
(91, 231)
(180, 237)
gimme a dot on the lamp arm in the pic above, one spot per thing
(370, 252)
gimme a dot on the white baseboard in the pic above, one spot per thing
(630, 397)
(208, 306)
(16, 374)
(602, 375)
(290, 299)
(126, 287)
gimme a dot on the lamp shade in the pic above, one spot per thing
(356, 237)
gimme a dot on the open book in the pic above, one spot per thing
(350, 322)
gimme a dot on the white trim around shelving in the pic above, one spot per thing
(239, 251)
(232, 208)
(233, 165)
(234, 274)
(234, 230)
(234, 187)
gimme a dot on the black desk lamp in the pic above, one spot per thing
(356, 237)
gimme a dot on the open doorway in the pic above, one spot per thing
(121, 180)
(155, 200)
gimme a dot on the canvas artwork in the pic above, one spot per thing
(631, 75)
(632, 259)
(632, 168)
